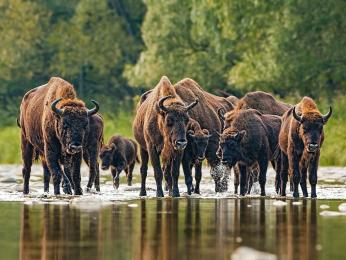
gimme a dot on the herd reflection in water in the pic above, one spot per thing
(169, 229)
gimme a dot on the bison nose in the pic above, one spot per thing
(181, 144)
(76, 147)
(312, 147)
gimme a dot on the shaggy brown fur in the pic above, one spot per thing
(250, 139)
(119, 154)
(194, 154)
(301, 137)
(206, 115)
(161, 130)
(57, 135)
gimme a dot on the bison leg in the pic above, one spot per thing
(198, 176)
(97, 179)
(283, 174)
(175, 175)
(188, 175)
(294, 172)
(129, 176)
(243, 172)
(303, 171)
(68, 168)
(236, 178)
(91, 161)
(277, 167)
(77, 159)
(27, 156)
(46, 176)
(250, 179)
(144, 170)
(167, 168)
(155, 162)
(263, 166)
(313, 174)
(116, 178)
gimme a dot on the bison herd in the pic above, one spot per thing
(175, 125)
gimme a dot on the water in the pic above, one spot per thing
(118, 225)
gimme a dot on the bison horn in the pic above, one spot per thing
(94, 110)
(187, 108)
(327, 116)
(296, 116)
(221, 113)
(161, 105)
(217, 133)
(55, 109)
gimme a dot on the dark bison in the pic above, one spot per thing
(301, 137)
(250, 139)
(119, 154)
(53, 124)
(160, 128)
(194, 154)
(206, 115)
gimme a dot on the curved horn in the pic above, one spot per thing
(221, 113)
(187, 108)
(160, 104)
(297, 117)
(327, 116)
(55, 109)
(94, 110)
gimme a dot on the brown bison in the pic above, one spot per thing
(53, 124)
(250, 139)
(160, 128)
(194, 154)
(301, 137)
(206, 115)
(119, 154)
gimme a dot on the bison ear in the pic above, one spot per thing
(112, 147)
(159, 110)
(190, 133)
(205, 131)
(241, 135)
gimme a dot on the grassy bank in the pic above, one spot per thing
(333, 151)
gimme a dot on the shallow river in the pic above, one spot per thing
(119, 225)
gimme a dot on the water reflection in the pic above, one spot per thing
(169, 229)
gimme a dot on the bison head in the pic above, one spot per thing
(229, 150)
(311, 128)
(198, 141)
(72, 123)
(175, 123)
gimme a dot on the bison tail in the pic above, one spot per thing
(277, 153)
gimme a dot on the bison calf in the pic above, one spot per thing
(119, 154)
(194, 154)
(301, 137)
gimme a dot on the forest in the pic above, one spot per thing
(114, 50)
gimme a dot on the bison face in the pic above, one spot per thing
(230, 147)
(106, 156)
(199, 143)
(71, 124)
(176, 120)
(175, 128)
(311, 129)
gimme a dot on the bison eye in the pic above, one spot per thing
(169, 122)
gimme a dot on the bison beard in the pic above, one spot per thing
(301, 137)
(53, 124)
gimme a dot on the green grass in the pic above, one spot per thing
(333, 150)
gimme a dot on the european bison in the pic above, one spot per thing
(119, 154)
(250, 139)
(194, 154)
(53, 124)
(301, 137)
(206, 115)
(160, 128)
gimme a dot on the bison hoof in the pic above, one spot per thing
(129, 183)
(196, 191)
(296, 194)
(305, 195)
(143, 193)
(78, 191)
(159, 194)
(97, 188)
(67, 189)
(175, 194)
(87, 189)
(313, 195)
(263, 193)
